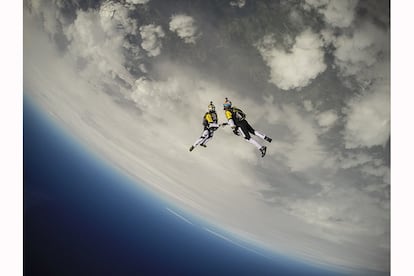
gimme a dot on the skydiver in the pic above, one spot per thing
(210, 125)
(237, 120)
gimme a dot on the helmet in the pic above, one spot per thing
(227, 104)
(211, 107)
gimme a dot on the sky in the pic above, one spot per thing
(132, 80)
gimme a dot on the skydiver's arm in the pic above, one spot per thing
(210, 121)
(233, 126)
(230, 119)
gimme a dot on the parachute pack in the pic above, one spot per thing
(213, 117)
(238, 114)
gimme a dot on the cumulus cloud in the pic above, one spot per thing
(327, 119)
(297, 67)
(88, 40)
(238, 3)
(337, 13)
(185, 27)
(368, 119)
(151, 36)
(115, 19)
(152, 96)
(357, 53)
(362, 59)
(97, 41)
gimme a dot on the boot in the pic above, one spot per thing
(263, 151)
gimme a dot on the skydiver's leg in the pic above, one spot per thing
(249, 139)
(204, 136)
(257, 133)
(210, 136)
(244, 130)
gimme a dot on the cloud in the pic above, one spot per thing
(137, 2)
(304, 141)
(357, 54)
(238, 3)
(368, 119)
(337, 13)
(377, 169)
(151, 35)
(327, 119)
(333, 209)
(152, 96)
(352, 160)
(185, 28)
(49, 13)
(367, 164)
(132, 4)
(115, 20)
(297, 67)
(308, 105)
(97, 41)
(363, 57)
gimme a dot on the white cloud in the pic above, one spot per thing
(362, 56)
(333, 208)
(308, 105)
(317, 3)
(238, 3)
(326, 119)
(88, 39)
(298, 66)
(98, 38)
(151, 42)
(352, 160)
(50, 14)
(185, 28)
(305, 141)
(152, 96)
(337, 13)
(368, 119)
(328, 36)
(356, 54)
(378, 171)
(137, 2)
(340, 13)
(143, 68)
(115, 20)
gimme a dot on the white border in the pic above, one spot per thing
(11, 146)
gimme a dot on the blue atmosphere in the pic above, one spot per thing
(82, 217)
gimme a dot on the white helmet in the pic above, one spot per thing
(211, 107)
